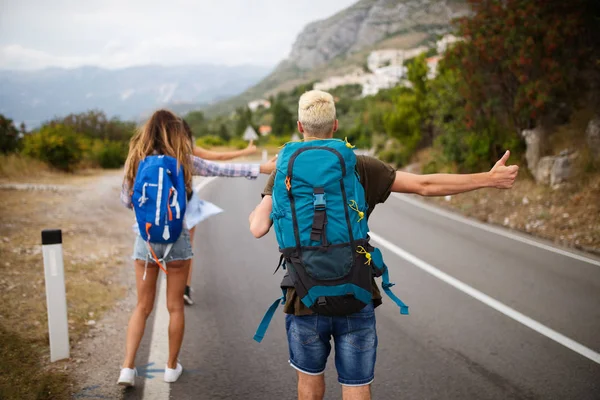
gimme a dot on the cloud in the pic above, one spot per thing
(117, 34)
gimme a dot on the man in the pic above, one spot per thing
(308, 333)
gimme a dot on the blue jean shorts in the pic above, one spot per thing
(355, 339)
(181, 249)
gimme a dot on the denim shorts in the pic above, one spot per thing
(355, 339)
(181, 249)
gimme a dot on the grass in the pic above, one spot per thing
(22, 374)
(94, 249)
(16, 166)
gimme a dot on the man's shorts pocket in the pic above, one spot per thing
(303, 329)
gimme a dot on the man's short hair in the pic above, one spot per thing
(316, 112)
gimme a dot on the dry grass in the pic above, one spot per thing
(569, 216)
(14, 166)
(96, 234)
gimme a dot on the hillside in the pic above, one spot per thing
(36, 96)
(342, 42)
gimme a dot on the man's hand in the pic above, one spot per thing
(260, 219)
(503, 176)
(269, 166)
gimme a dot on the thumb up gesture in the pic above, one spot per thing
(503, 176)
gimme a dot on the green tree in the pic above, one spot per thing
(224, 132)
(521, 58)
(410, 120)
(9, 136)
(94, 124)
(283, 120)
(56, 144)
(243, 118)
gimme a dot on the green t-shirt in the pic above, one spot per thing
(377, 179)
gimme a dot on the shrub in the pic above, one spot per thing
(238, 143)
(110, 154)
(9, 136)
(58, 145)
(209, 141)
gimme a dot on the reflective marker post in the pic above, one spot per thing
(56, 300)
(264, 155)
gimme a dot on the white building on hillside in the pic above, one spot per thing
(383, 78)
(256, 104)
(443, 44)
(432, 63)
(392, 57)
(380, 58)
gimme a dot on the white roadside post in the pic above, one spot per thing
(56, 300)
(264, 155)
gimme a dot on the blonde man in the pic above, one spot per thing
(355, 367)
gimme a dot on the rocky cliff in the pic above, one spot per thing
(329, 46)
(368, 22)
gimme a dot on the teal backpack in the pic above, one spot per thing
(319, 217)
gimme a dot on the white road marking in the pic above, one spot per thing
(156, 388)
(495, 230)
(489, 301)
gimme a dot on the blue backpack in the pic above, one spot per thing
(159, 200)
(319, 217)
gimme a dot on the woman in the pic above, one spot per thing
(213, 156)
(165, 134)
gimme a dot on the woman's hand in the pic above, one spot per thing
(251, 149)
(269, 166)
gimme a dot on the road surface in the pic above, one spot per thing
(491, 316)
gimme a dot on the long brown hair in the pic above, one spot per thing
(166, 134)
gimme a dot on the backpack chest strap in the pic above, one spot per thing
(317, 232)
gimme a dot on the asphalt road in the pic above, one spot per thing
(451, 346)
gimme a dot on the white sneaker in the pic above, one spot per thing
(171, 375)
(127, 377)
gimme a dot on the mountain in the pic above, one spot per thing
(130, 93)
(342, 42)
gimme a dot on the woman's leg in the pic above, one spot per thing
(189, 279)
(176, 280)
(146, 289)
(188, 292)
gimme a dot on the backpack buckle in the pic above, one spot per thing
(322, 301)
(319, 198)
(319, 201)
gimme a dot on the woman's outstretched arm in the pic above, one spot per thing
(223, 155)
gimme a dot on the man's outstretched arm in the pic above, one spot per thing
(260, 218)
(500, 176)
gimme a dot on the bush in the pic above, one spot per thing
(58, 145)
(238, 143)
(209, 141)
(110, 154)
(9, 136)
(277, 141)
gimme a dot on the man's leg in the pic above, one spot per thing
(356, 392)
(355, 339)
(309, 347)
(311, 387)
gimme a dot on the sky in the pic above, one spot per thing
(119, 33)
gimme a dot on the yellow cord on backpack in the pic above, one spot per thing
(353, 206)
(361, 250)
(348, 144)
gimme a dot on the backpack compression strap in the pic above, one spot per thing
(386, 285)
(264, 324)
